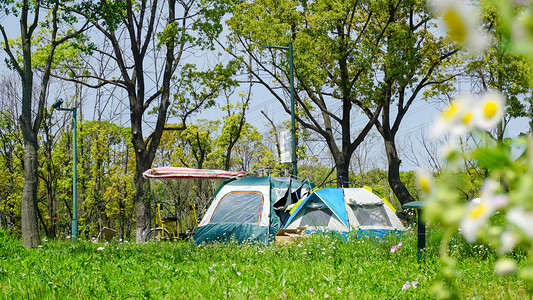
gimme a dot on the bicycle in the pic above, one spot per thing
(167, 228)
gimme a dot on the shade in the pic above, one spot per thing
(190, 173)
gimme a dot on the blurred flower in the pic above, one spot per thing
(462, 23)
(311, 290)
(100, 248)
(479, 212)
(282, 294)
(505, 266)
(238, 273)
(457, 118)
(522, 219)
(508, 240)
(490, 111)
(409, 284)
(424, 180)
(211, 278)
(338, 289)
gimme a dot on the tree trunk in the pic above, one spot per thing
(395, 183)
(143, 207)
(342, 169)
(30, 230)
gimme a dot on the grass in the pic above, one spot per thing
(315, 268)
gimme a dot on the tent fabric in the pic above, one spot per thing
(361, 196)
(345, 211)
(327, 196)
(243, 210)
(190, 173)
(228, 232)
(289, 198)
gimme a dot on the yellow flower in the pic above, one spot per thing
(490, 111)
(457, 118)
(480, 209)
(462, 23)
(425, 181)
(456, 27)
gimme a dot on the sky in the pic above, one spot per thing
(414, 127)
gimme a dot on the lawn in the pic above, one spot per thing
(313, 268)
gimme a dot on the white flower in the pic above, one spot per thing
(100, 248)
(505, 266)
(478, 213)
(522, 219)
(490, 111)
(462, 22)
(457, 118)
(508, 240)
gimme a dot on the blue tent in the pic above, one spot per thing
(345, 211)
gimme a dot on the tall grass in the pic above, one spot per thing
(313, 268)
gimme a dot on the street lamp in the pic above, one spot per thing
(57, 105)
(293, 125)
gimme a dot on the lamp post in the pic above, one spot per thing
(57, 105)
(293, 125)
(419, 205)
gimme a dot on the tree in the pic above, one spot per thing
(413, 59)
(234, 122)
(11, 153)
(30, 14)
(148, 43)
(352, 58)
(335, 49)
(107, 171)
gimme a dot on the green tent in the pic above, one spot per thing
(243, 210)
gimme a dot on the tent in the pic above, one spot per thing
(345, 211)
(243, 209)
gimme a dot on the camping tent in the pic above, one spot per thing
(345, 210)
(243, 209)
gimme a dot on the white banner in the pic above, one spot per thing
(285, 146)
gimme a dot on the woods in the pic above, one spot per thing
(146, 77)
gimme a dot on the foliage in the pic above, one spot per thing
(317, 267)
(11, 162)
(106, 175)
(351, 59)
(500, 68)
(501, 215)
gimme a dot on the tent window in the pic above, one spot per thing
(371, 215)
(239, 207)
(316, 217)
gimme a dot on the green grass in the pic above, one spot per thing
(315, 268)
